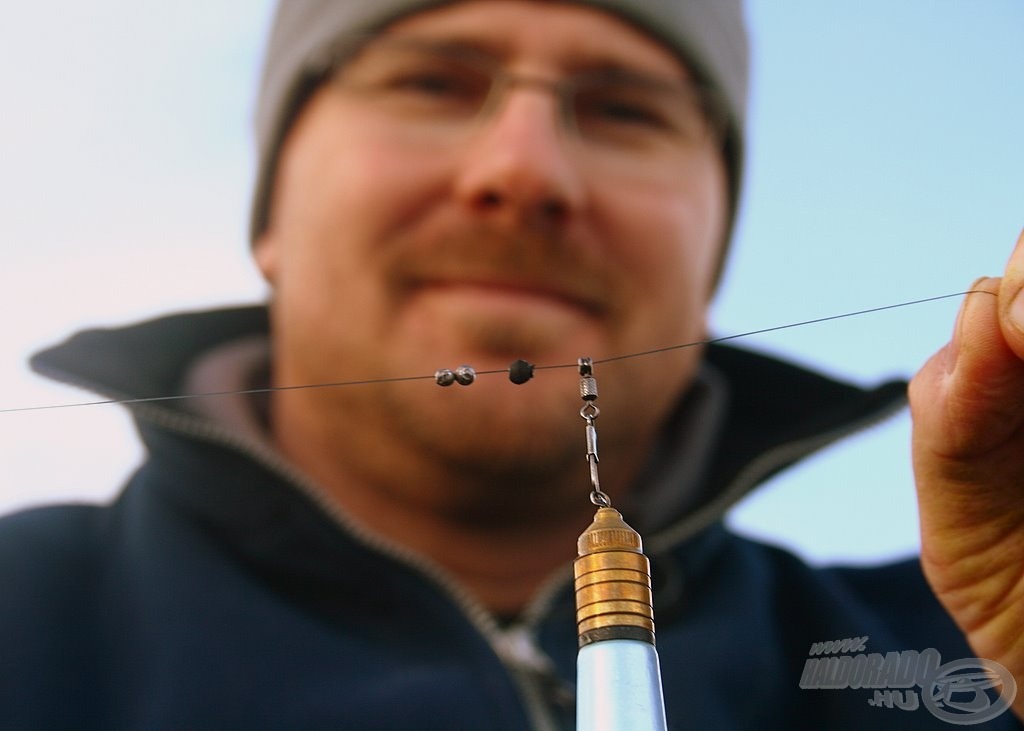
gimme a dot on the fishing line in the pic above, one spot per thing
(432, 377)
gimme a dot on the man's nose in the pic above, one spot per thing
(519, 168)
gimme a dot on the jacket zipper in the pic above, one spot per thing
(525, 675)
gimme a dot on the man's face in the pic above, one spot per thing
(398, 245)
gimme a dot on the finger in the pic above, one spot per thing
(984, 392)
(967, 399)
(968, 411)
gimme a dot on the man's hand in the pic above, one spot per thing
(967, 404)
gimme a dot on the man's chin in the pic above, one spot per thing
(494, 425)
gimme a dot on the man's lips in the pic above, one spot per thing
(514, 292)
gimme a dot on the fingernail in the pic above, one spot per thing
(953, 349)
(955, 342)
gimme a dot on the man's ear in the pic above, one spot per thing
(264, 252)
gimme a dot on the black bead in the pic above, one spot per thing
(520, 372)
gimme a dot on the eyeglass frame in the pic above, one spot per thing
(709, 103)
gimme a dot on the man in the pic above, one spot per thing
(476, 183)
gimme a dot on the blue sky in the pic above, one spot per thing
(884, 165)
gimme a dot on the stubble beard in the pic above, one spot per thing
(492, 439)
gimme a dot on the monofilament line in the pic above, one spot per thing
(776, 328)
(401, 379)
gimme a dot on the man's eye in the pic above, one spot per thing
(629, 113)
(625, 111)
(437, 84)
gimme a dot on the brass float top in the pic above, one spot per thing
(613, 582)
(608, 532)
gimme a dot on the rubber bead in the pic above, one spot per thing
(520, 372)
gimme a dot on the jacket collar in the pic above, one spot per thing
(777, 413)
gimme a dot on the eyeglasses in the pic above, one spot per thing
(443, 91)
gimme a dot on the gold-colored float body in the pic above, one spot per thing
(613, 582)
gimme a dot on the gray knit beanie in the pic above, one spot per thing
(708, 35)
